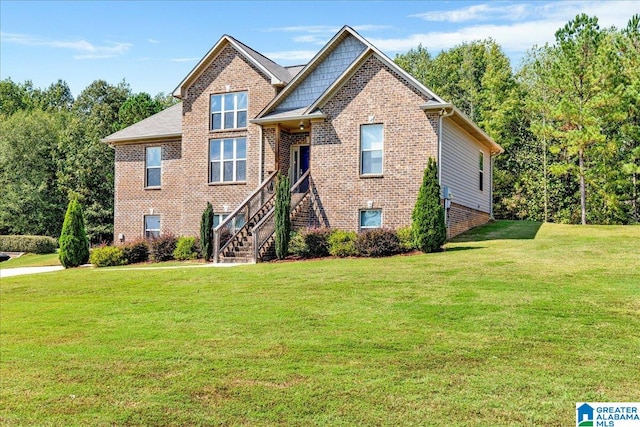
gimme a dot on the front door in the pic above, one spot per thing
(299, 162)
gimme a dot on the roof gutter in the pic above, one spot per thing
(273, 120)
(151, 138)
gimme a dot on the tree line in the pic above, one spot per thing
(568, 119)
(50, 153)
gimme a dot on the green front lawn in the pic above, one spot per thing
(32, 260)
(512, 325)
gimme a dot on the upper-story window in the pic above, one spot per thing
(229, 111)
(371, 143)
(481, 180)
(153, 166)
(228, 160)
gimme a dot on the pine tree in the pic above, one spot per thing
(283, 220)
(428, 227)
(74, 245)
(206, 232)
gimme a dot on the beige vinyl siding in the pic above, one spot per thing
(460, 167)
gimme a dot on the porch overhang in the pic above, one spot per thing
(290, 121)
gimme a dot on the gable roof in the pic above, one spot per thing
(434, 103)
(167, 124)
(345, 32)
(279, 75)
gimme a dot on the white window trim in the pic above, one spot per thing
(235, 159)
(366, 227)
(147, 167)
(148, 230)
(224, 110)
(362, 151)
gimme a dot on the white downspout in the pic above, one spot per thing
(442, 113)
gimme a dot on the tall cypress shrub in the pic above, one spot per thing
(206, 232)
(428, 226)
(282, 216)
(74, 245)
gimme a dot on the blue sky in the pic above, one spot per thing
(153, 45)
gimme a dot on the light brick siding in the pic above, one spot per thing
(410, 138)
(462, 218)
(133, 201)
(374, 94)
(185, 187)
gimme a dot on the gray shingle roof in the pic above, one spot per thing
(277, 70)
(166, 123)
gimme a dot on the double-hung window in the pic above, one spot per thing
(228, 160)
(370, 218)
(481, 180)
(371, 144)
(229, 111)
(151, 226)
(153, 166)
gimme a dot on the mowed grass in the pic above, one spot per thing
(32, 260)
(512, 325)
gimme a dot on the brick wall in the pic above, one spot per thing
(133, 201)
(185, 188)
(461, 218)
(375, 94)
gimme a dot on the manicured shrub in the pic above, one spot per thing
(74, 245)
(429, 228)
(297, 245)
(377, 242)
(185, 249)
(32, 244)
(162, 247)
(405, 236)
(282, 216)
(136, 251)
(107, 256)
(206, 232)
(342, 243)
(311, 242)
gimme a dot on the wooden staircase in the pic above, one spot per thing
(255, 240)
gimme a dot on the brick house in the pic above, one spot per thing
(351, 129)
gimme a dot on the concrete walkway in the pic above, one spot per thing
(19, 271)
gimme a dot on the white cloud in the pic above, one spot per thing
(477, 12)
(536, 24)
(153, 41)
(86, 50)
(292, 55)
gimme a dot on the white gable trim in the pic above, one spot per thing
(212, 55)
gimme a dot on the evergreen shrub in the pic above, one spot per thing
(405, 236)
(74, 245)
(186, 249)
(107, 256)
(429, 228)
(31, 244)
(343, 243)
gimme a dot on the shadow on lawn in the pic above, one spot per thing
(462, 248)
(501, 230)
